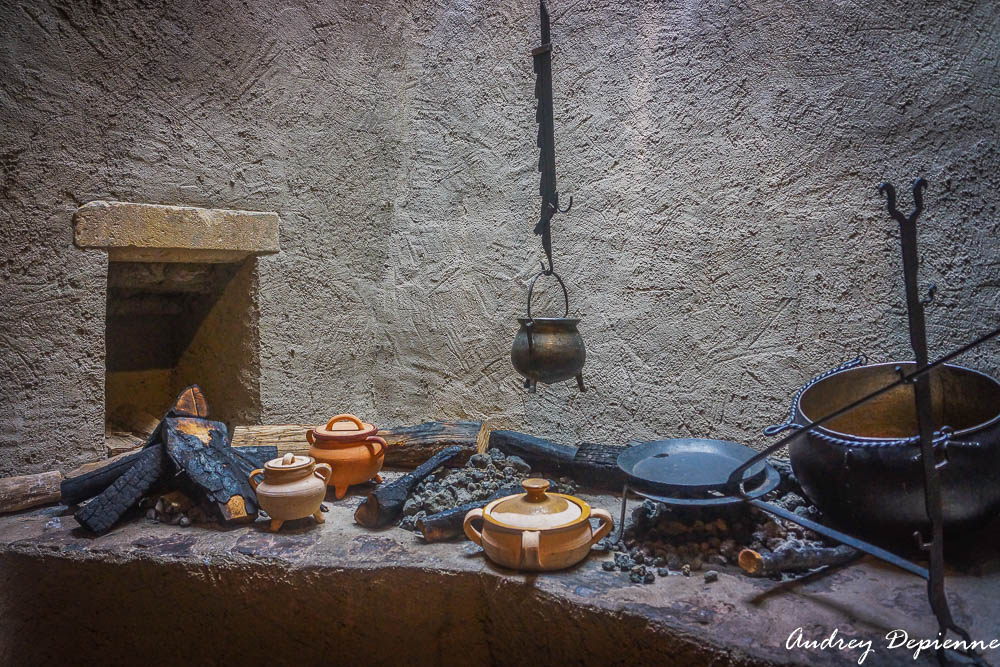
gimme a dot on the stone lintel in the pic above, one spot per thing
(158, 233)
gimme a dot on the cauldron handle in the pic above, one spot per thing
(775, 429)
(531, 288)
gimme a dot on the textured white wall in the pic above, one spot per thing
(726, 240)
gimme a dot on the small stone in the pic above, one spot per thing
(479, 460)
(185, 521)
(648, 578)
(711, 576)
(430, 478)
(674, 561)
(323, 507)
(663, 572)
(639, 557)
(696, 564)
(509, 472)
(717, 559)
(159, 506)
(492, 471)
(686, 570)
(608, 566)
(518, 464)
(496, 454)
(660, 561)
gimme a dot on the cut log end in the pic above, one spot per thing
(751, 562)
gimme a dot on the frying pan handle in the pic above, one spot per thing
(775, 429)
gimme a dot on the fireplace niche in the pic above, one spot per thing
(181, 309)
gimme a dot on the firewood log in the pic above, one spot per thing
(408, 446)
(385, 503)
(794, 559)
(79, 488)
(596, 465)
(212, 470)
(448, 524)
(104, 511)
(538, 453)
(22, 492)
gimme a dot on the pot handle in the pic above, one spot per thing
(253, 482)
(381, 441)
(323, 466)
(531, 288)
(310, 438)
(607, 524)
(470, 530)
(345, 417)
(529, 549)
(775, 429)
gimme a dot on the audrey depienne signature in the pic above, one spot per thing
(893, 640)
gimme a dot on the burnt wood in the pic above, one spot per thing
(447, 525)
(213, 471)
(104, 511)
(797, 559)
(540, 454)
(77, 489)
(596, 465)
(385, 504)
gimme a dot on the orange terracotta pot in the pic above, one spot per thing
(352, 450)
(537, 530)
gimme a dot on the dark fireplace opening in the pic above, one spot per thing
(172, 324)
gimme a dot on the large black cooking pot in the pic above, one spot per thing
(863, 468)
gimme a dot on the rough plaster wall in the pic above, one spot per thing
(726, 241)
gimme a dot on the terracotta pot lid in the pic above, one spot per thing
(289, 462)
(536, 509)
(344, 427)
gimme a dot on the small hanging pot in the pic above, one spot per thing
(548, 349)
(536, 530)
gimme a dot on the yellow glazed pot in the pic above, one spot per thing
(537, 530)
(351, 448)
(293, 488)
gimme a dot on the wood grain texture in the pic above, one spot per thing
(409, 446)
(22, 492)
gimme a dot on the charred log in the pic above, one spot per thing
(385, 504)
(447, 525)
(596, 465)
(104, 511)
(794, 559)
(540, 454)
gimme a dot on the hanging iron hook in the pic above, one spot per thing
(889, 191)
(568, 207)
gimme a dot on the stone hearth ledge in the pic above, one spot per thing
(339, 591)
(158, 233)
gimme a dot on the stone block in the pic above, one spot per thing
(158, 233)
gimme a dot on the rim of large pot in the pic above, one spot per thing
(582, 504)
(865, 438)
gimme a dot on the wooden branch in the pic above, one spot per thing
(385, 503)
(18, 493)
(448, 524)
(540, 454)
(794, 559)
(409, 446)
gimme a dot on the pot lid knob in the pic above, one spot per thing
(535, 488)
(288, 459)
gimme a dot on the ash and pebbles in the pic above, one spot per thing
(662, 541)
(481, 477)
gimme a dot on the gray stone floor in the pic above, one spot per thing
(384, 597)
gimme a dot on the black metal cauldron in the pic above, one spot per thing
(863, 469)
(548, 349)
